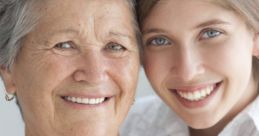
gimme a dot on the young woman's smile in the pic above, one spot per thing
(193, 59)
(196, 96)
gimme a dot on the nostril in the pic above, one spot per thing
(79, 75)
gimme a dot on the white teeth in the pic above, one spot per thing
(90, 101)
(196, 95)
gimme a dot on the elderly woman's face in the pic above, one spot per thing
(76, 72)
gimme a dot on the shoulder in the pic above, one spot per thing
(150, 116)
(146, 108)
(144, 104)
(245, 123)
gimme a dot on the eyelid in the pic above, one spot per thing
(204, 31)
(115, 50)
(110, 44)
(66, 51)
(66, 42)
(149, 40)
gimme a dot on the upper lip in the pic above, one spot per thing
(83, 91)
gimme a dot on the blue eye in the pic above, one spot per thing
(64, 45)
(159, 41)
(210, 34)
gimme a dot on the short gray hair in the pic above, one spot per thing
(18, 18)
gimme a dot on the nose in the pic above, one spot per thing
(189, 65)
(92, 68)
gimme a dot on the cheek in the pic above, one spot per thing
(48, 72)
(157, 67)
(229, 58)
(124, 72)
(39, 77)
(36, 81)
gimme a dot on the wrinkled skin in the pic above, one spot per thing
(83, 49)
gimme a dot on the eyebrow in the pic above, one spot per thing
(153, 30)
(204, 24)
(71, 30)
(212, 22)
(119, 34)
(76, 32)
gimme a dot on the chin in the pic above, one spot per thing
(98, 132)
(91, 130)
(202, 124)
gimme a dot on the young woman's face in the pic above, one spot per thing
(198, 58)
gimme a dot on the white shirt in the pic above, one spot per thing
(151, 117)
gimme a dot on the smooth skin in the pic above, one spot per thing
(190, 46)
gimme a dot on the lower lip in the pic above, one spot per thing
(197, 104)
(87, 106)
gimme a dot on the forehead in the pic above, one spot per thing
(90, 7)
(188, 13)
(59, 14)
(186, 7)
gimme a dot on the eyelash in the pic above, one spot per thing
(115, 47)
(154, 41)
(209, 34)
(61, 45)
(67, 48)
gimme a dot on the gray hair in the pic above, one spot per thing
(18, 18)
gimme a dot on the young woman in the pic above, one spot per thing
(200, 57)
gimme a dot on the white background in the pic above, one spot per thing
(11, 123)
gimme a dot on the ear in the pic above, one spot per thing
(7, 78)
(256, 45)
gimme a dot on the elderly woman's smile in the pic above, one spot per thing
(76, 71)
(89, 98)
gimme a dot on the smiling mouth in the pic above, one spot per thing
(86, 101)
(199, 94)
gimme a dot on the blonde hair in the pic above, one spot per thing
(248, 9)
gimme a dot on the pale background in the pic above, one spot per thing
(11, 123)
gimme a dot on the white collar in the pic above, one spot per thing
(245, 122)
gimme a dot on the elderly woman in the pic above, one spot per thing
(73, 65)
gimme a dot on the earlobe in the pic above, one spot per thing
(256, 45)
(7, 78)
